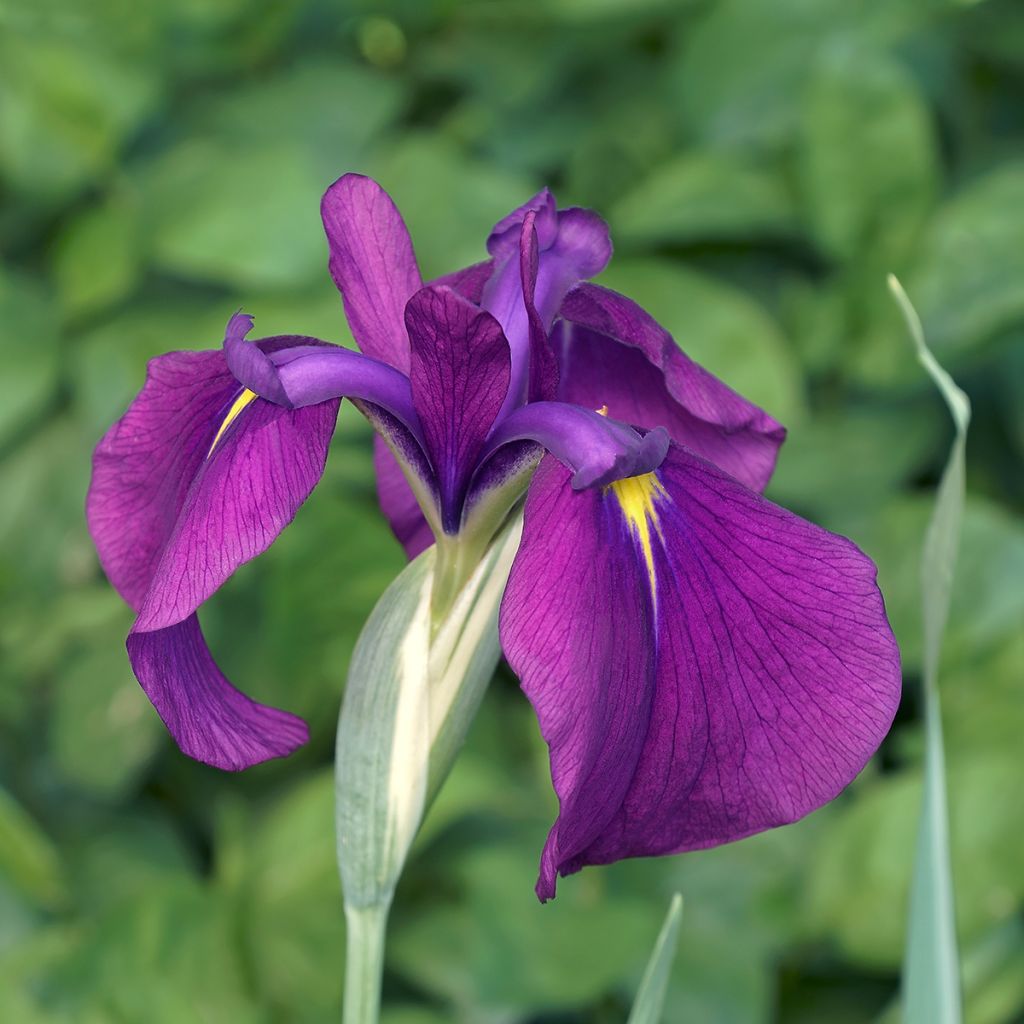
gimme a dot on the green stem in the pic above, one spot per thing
(364, 962)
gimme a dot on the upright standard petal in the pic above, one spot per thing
(539, 255)
(209, 719)
(704, 664)
(373, 265)
(610, 352)
(460, 375)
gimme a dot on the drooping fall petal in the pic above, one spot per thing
(209, 719)
(197, 477)
(245, 491)
(704, 664)
(612, 353)
(144, 465)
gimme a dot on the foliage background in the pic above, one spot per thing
(762, 166)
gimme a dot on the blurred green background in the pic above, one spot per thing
(762, 165)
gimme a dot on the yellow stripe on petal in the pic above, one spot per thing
(239, 404)
(638, 497)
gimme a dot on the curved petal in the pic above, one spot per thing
(597, 449)
(504, 239)
(241, 497)
(373, 265)
(460, 375)
(704, 664)
(299, 371)
(144, 465)
(468, 282)
(539, 255)
(209, 719)
(612, 353)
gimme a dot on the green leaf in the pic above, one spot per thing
(98, 258)
(206, 204)
(103, 729)
(745, 63)
(28, 857)
(428, 177)
(291, 902)
(484, 942)
(29, 351)
(931, 980)
(170, 955)
(651, 997)
(967, 281)
(868, 161)
(705, 195)
(64, 109)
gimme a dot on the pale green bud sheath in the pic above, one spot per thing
(414, 685)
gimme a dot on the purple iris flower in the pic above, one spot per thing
(704, 664)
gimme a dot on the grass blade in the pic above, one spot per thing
(651, 996)
(931, 975)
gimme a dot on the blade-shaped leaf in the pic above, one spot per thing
(931, 978)
(651, 996)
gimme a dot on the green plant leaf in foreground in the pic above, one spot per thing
(931, 980)
(649, 1000)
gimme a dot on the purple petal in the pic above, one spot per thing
(504, 239)
(251, 366)
(295, 371)
(373, 265)
(468, 282)
(611, 353)
(460, 375)
(597, 449)
(241, 496)
(144, 465)
(209, 719)
(529, 282)
(542, 383)
(398, 502)
(706, 667)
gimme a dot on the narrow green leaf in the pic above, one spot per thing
(28, 857)
(931, 979)
(651, 997)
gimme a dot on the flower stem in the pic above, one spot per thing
(364, 962)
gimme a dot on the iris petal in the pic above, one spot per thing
(209, 719)
(611, 352)
(237, 503)
(596, 448)
(373, 265)
(460, 376)
(723, 670)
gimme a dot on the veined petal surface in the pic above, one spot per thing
(245, 491)
(704, 664)
(460, 376)
(144, 465)
(373, 264)
(612, 353)
(209, 719)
